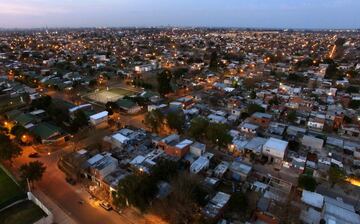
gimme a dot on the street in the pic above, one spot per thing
(67, 197)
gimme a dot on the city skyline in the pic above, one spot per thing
(332, 14)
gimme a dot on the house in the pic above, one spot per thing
(201, 164)
(337, 211)
(47, 132)
(316, 122)
(100, 166)
(311, 142)
(217, 119)
(99, 118)
(197, 149)
(240, 170)
(255, 145)
(216, 205)
(128, 106)
(262, 119)
(221, 169)
(174, 147)
(248, 127)
(275, 149)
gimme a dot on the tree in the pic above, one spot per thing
(291, 116)
(164, 82)
(198, 126)
(218, 134)
(252, 108)
(111, 107)
(176, 120)
(352, 89)
(42, 103)
(154, 119)
(331, 71)
(186, 197)
(164, 170)
(307, 182)
(8, 150)
(92, 83)
(137, 190)
(238, 202)
(19, 131)
(249, 83)
(32, 171)
(213, 64)
(336, 175)
(80, 120)
(253, 94)
(354, 104)
(274, 101)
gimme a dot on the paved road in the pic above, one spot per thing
(67, 197)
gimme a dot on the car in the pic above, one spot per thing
(34, 155)
(70, 180)
(105, 205)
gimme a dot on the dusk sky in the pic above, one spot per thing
(214, 13)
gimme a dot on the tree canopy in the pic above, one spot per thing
(164, 82)
(213, 64)
(154, 119)
(198, 126)
(140, 188)
(218, 134)
(80, 120)
(8, 150)
(252, 108)
(176, 120)
(307, 182)
(42, 103)
(336, 175)
(32, 171)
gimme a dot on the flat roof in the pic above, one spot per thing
(120, 138)
(99, 115)
(183, 143)
(276, 144)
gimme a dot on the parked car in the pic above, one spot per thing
(34, 155)
(105, 205)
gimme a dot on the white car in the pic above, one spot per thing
(105, 205)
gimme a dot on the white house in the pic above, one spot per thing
(275, 149)
(99, 118)
(202, 163)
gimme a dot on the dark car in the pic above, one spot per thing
(34, 155)
(70, 180)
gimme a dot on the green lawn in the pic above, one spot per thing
(9, 190)
(23, 213)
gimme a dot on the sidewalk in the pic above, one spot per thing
(60, 217)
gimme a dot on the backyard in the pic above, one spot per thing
(24, 212)
(9, 190)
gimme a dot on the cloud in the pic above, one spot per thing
(29, 8)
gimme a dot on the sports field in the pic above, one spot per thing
(9, 190)
(104, 96)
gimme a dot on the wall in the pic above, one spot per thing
(46, 220)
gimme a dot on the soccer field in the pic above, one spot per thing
(9, 190)
(104, 96)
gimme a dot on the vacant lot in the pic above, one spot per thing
(24, 212)
(9, 190)
(104, 96)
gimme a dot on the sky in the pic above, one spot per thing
(210, 13)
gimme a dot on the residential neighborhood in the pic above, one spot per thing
(180, 125)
